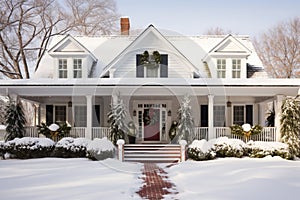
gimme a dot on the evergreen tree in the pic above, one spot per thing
(15, 121)
(185, 121)
(117, 119)
(290, 125)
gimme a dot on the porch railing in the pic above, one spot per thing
(201, 133)
(31, 131)
(77, 132)
(100, 132)
(2, 134)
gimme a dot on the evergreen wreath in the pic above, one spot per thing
(239, 130)
(146, 58)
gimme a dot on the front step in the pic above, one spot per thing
(163, 153)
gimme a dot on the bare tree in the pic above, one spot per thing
(217, 31)
(26, 27)
(279, 49)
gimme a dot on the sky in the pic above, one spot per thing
(194, 17)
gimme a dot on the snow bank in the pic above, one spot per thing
(31, 142)
(73, 143)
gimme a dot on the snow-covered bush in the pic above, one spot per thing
(2, 149)
(100, 149)
(260, 149)
(225, 147)
(29, 147)
(200, 150)
(69, 147)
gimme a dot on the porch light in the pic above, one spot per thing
(169, 113)
(70, 104)
(228, 103)
(134, 113)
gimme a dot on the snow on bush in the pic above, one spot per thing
(30, 147)
(225, 147)
(200, 150)
(69, 147)
(2, 149)
(260, 149)
(100, 149)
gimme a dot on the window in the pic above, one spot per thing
(62, 68)
(219, 116)
(152, 70)
(243, 114)
(221, 68)
(60, 113)
(236, 68)
(80, 115)
(77, 68)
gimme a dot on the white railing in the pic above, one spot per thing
(77, 132)
(31, 131)
(268, 134)
(201, 133)
(100, 132)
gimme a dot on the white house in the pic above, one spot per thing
(223, 75)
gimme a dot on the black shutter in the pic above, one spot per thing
(204, 116)
(139, 67)
(49, 114)
(249, 114)
(164, 66)
(96, 116)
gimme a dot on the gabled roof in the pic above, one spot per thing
(70, 42)
(227, 45)
(162, 39)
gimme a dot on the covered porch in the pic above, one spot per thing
(215, 105)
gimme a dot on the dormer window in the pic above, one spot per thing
(221, 68)
(62, 68)
(236, 68)
(152, 65)
(77, 68)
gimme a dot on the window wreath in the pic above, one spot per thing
(150, 60)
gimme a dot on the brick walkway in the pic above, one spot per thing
(156, 185)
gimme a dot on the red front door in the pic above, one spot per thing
(152, 124)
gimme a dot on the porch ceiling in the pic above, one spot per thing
(151, 87)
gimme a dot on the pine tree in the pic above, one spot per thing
(117, 119)
(185, 121)
(290, 125)
(15, 121)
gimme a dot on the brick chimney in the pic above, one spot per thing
(125, 25)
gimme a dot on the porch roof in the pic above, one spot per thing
(151, 86)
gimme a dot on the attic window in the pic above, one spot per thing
(151, 65)
(62, 68)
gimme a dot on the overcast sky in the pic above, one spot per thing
(194, 17)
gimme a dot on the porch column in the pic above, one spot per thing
(278, 104)
(89, 112)
(261, 115)
(210, 116)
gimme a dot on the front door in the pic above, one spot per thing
(151, 122)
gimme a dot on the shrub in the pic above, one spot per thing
(69, 147)
(224, 147)
(260, 149)
(2, 149)
(55, 131)
(100, 149)
(27, 147)
(200, 150)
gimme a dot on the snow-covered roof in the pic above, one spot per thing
(107, 48)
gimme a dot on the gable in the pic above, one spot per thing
(69, 46)
(149, 40)
(231, 47)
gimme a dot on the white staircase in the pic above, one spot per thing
(156, 153)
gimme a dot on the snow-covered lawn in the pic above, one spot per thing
(236, 179)
(54, 178)
(226, 179)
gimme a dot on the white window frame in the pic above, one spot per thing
(62, 68)
(77, 114)
(77, 68)
(221, 68)
(236, 68)
(244, 105)
(54, 111)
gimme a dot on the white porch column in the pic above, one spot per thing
(210, 117)
(278, 104)
(89, 112)
(261, 114)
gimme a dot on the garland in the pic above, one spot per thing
(246, 130)
(145, 58)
